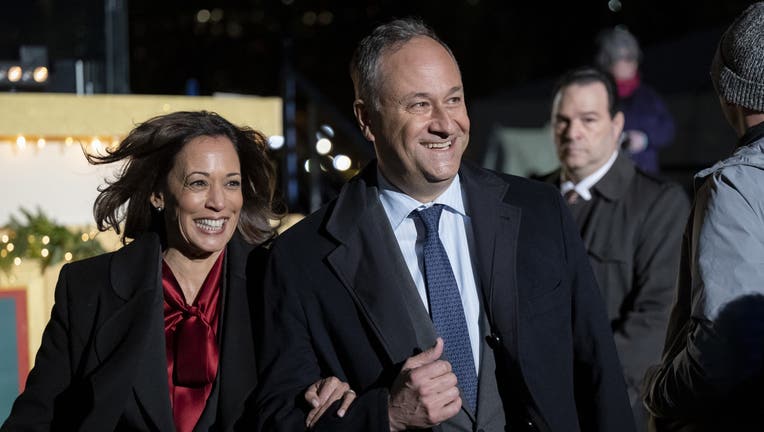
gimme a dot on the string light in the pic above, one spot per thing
(90, 144)
(41, 241)
(14, 73)
(40, 74)
(96, 146)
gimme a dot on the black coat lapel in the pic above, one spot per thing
(369, 264)
(237, 374)
(130, 344)
(495, 225)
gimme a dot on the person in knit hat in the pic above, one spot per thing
(712, 371)
(649, 125)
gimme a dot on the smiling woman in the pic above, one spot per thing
(158, 335)
(202, 200)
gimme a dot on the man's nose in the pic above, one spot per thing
(442, 123)
(574, 130)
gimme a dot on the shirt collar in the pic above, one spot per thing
(583, 187)
(399, 206)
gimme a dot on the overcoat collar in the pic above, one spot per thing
(615, 183)
(612, 186)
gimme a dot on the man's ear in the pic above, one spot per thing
(618, 122)
(157, 200)
(363, 117)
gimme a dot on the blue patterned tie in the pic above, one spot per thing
(446, 307)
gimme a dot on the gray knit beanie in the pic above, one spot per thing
(737, 70)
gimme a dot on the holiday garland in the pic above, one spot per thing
(38, 237)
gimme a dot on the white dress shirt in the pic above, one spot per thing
(588, 182)
(456, 235)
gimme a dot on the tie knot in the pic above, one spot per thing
(571, 196)
(431, 217)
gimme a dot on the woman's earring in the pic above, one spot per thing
(159, 209)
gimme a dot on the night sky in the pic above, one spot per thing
(501, 45)
(507, 50)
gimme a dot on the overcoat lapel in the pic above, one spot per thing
(495, 225)
(611, 188)
(364, 263)
(130, 343)
(237, 373)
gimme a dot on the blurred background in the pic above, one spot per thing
(77, 75)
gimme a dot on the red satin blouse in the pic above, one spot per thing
(192, 349)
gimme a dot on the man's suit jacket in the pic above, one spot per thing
(333, 305)
(102, 364)
(633, 235)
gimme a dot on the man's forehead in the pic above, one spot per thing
(590, 93)
(418, 50)
(419, 70)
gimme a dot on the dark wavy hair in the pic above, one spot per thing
(149, 152)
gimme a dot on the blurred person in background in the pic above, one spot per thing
(158, 335)
(712, 373)
(630, 221)
(648, 125)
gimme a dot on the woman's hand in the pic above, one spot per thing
(321, 394)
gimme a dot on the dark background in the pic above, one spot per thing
(510, 52)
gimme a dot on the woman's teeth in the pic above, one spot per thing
(210, 224)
